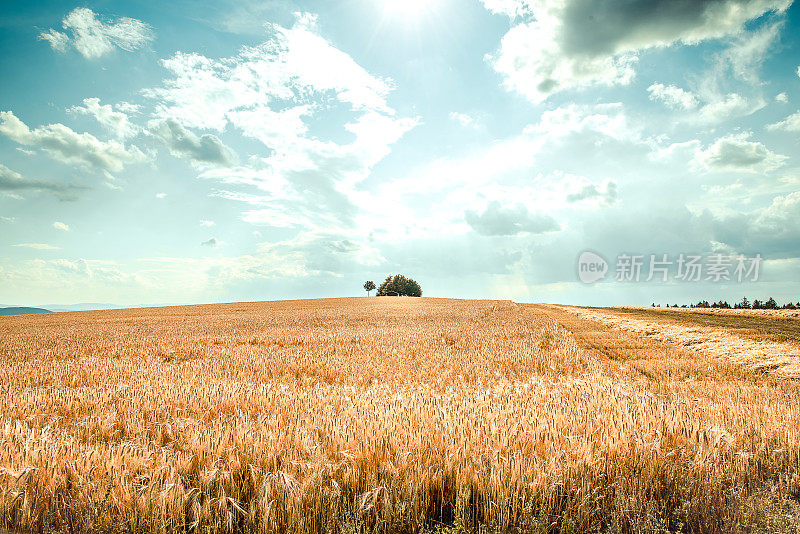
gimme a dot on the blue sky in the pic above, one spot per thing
(185, 152)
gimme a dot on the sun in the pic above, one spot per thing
(409, 9)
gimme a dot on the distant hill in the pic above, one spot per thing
(22, 311)
(82, 306)
(39, 307)
(97, 306)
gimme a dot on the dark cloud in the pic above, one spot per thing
(211, 243)
(499, 221)
(206, 148)
(607, 195)
(566, 44)
(738, 153)
(773, 231)
(12, 181)
(605, 27)
(344, 246)
(669, 229)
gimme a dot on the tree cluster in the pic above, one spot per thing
(768, 304)
(399, 285)
(744, 304)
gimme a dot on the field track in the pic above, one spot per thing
(391, 415)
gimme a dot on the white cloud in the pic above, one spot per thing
(673, 96)
(61, 226)
(563, 48)
(533, 63)
(771, 230)
(737, 153)
(294, 65)
(314, 184)
(313, 62)
(268, 91)
(246, 17)
(315, 253)
(84, 278)
(676, 151)
(278, 217)
(465, 120)
(510, 8)
(58, 41)
(783, 98)
(128, 108)
(517, 158)
(475, 169)
(749, 50)
(778, 221)
(497, 220)
(37, 246)
(161, 195)
(306, 255)
(374, 134)
(609, 120)
(115, 122)
(789, 124)
(94, 38)
(7, 219)
(206, 223)
(68, 146)
(722, 108)
(715, 108)
(271, 92)
(80, 267)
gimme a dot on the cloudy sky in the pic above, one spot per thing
(174, 152)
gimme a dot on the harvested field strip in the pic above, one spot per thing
(777, 327)
(638, 353)
(715, 343)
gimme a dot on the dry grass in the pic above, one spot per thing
(746, 313)
(744, 340)
(388, 415)
(759, 325)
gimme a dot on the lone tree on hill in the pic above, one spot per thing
(369, 285)
(399, 285)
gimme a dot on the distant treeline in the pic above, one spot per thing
(743, 304)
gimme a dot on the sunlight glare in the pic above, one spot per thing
(406, 8)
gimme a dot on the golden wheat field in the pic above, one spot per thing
(384, 415)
